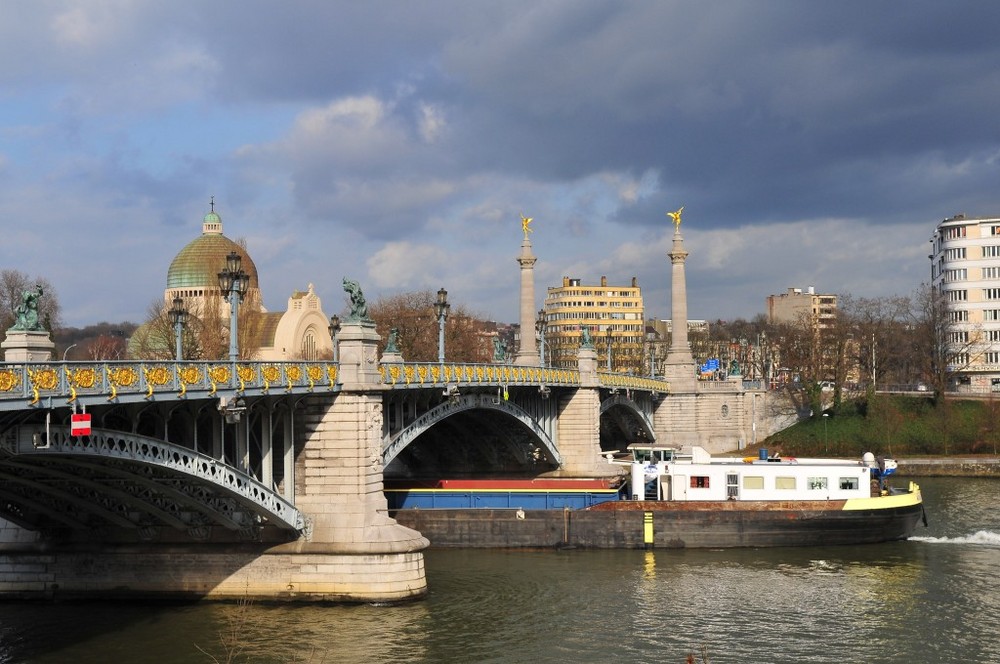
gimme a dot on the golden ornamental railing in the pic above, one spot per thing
(113, 380)
(415, 374)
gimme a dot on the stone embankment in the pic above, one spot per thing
(958, 466)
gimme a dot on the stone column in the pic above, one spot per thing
(679, 366)
(527, 354)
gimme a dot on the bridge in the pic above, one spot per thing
(185, 456)
(233, 479)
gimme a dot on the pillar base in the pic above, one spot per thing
(222, 574)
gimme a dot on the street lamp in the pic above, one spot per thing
(233, 282)
(66, 352)
(179, 318)
(441, 307)
(826, 437)
(609, 348)
(334, 328)
(540, 327)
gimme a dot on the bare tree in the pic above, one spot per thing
(412, 314)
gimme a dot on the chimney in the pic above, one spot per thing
(565, 282)
(635, 282)
(604, 282)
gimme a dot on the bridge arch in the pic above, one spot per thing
(133, 482)
(631, 416)
(392, 445)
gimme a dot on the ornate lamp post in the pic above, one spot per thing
(179, 318)
(540, 326)
(334, 328)
(441, 307)
(233, 282)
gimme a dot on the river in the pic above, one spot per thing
(932, 599)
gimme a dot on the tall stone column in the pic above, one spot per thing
(527, 354)
(679, 366)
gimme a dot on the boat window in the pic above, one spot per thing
(816, 483)
(849, 483)
(732, 486)
(699, 481)
(753, 481)
(784, 482)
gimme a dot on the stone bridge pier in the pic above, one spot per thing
(351, 548)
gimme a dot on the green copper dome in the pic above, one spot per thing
(199, 263)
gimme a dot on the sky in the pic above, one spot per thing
(397, 143)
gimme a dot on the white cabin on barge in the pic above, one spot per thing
(691, 474)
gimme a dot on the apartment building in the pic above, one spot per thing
(613, 314)
(965, 270)
(795, 304)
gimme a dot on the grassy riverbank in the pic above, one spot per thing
(895, 426)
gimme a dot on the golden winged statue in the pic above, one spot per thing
(525, 223)
(676, 216)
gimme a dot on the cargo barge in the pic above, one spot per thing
(671, 498)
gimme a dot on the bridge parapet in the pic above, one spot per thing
(431, 374)
(628, 381)
(24, 385)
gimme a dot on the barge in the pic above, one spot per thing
(671, 498)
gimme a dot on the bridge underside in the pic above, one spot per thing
(472, 443)
(117, 485)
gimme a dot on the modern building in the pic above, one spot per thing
(612, 314)
(796, 305)
(299, 332)
(965, 270)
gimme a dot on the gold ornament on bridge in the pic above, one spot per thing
(218, 374)
(676, 216)
(9, 380)
(157, 375)
(293, 373)
(331, 374)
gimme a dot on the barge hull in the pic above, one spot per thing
(621, 525)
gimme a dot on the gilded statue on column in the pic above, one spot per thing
(676, 216)
(526, 225)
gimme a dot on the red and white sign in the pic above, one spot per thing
(80, 424)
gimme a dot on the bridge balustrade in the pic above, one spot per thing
(25, 385)
(431, 374)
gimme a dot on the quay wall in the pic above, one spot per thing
(950, 467)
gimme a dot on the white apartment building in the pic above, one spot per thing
(965, 269)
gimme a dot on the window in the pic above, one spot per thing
(753, 482)
(958, 295)
(991, 251)
(991, 293)
(956, 254)
(993, 357)
(732, 486)
(784, 483)
(991, 314)
(848, 483)
(816, 483)
(954, 232)
(993, 335)
(994, 230)
(958, 316)
(956, 275)
(959, 337)
(991, 273)
(961, 359)
(699, 482)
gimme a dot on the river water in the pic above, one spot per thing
(932, 599)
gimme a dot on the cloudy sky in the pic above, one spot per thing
(397, 143)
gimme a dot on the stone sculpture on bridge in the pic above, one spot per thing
(499, 350)
(359, 308)
(392, 345)
(27, 312)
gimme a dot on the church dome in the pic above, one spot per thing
(197, 266)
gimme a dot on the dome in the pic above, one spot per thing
(198, 264)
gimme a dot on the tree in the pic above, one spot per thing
(13, 284)
(412, 315)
